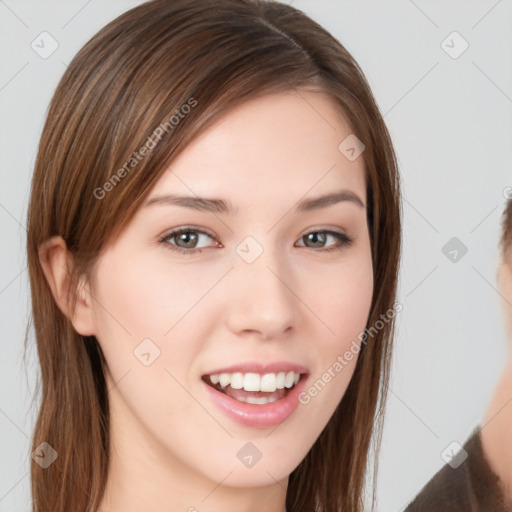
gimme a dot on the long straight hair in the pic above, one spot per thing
(135, 75)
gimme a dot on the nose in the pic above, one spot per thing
(261, 299)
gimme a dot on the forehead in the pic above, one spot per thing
(284, 142)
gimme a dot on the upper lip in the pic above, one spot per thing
(261, 368)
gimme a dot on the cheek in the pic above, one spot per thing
(141, 313)
(142, 298)
(139, 299)
(342, 300)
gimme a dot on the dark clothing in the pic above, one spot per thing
(471, 487)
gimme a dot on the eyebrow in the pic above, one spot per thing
(223, 206)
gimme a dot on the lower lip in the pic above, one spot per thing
(259, 416)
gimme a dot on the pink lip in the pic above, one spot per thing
(254, 367)
(252, 415)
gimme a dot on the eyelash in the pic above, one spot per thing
(343, 240)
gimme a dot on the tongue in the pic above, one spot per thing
(241, 393)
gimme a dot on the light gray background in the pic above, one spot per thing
(451, 122)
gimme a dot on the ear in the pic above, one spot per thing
(57, 263)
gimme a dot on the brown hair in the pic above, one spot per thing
(132, 76)
(506, 232)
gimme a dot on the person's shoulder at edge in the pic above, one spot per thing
(470, 487)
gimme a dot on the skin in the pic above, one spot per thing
(172, 449)
(496, 433)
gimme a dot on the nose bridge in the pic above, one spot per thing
(261, 299)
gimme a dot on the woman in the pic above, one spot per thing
(213, 246)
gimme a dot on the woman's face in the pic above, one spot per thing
(259, 282)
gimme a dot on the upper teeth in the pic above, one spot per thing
(256, 382)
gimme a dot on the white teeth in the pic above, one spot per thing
(257, 401)
(252, 382)
(224, 379)
(237, 380)
(288, 381)
(268, 382)
(280, 380)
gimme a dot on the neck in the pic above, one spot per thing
(496, 432)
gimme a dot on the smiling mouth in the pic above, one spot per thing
(253, 388)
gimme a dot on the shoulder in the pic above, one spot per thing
(469, 487)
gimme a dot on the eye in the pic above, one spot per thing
(185, 240)
(319, 238)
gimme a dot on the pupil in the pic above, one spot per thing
(315, 237)
(184, 236)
